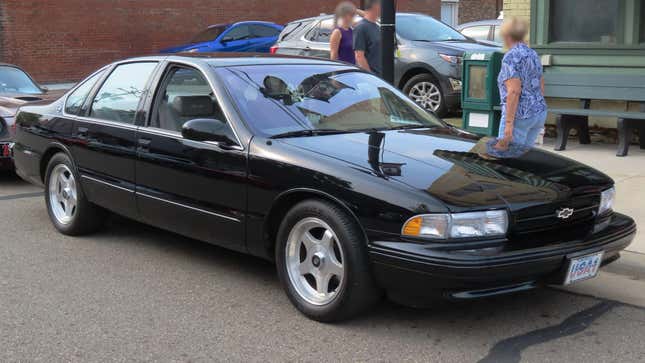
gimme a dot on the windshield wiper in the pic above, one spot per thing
(308, 132)
(409, 126)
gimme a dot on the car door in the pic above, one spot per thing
(236, 39)
(105, 137)
(263, 37)
(194, 188)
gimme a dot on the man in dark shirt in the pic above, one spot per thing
(367, 38)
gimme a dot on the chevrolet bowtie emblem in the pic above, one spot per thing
(564, 213)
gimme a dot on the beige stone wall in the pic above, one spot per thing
(519, 8)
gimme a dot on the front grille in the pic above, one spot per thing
(539, 225)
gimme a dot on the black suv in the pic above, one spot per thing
(428, 57)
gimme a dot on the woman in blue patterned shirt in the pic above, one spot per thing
(521, 88)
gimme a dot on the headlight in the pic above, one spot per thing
(607, 200)
(457, 225)
(453, 59)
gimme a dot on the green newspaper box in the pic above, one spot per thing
(480, 95)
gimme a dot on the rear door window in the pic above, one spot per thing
(239, 32)
(263, 31)
(119, 96)
(324, 30)
(76, 99)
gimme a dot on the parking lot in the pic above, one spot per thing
(135, 293)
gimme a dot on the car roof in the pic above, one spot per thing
(239, 59)
(331, 16)
(242, 23)
(480, 22)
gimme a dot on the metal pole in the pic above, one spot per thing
(388, 40)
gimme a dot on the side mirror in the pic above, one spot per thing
(208, 129)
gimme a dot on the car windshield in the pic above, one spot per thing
(292, 99)
(425, 28)
(209, 34)
(14, 80)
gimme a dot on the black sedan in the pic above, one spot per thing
(349, 186)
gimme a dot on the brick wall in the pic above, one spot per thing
(473, 10)
(63, 40)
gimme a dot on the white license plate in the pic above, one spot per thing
(582, 268)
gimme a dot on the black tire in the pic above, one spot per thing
(87, 217)
(442, 110)
(358, 291)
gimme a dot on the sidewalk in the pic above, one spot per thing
(628, 173)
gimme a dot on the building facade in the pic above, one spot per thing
(63, 40)
(593, 43)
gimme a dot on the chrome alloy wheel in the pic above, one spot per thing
(63, 197)
(427, 95)
(315, 261)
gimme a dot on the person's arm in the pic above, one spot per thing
(334, 44)
(360, 45)
(360, 13)
(361, 61)
(514, 90)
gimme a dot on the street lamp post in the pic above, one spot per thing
(388, 39)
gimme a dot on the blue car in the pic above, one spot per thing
(245, 36)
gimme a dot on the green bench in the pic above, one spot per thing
(586, 88)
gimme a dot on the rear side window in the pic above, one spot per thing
(322, 32)
(263, 31)
(119, 96)
(76, 99)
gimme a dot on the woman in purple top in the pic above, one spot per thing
(341, 41)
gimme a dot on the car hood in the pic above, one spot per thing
(10, 102)
(457, 47)
(445, 163)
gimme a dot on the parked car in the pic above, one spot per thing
(349, 186)
(484, 31)
(428, 62)
(244, 36)
(17, 88)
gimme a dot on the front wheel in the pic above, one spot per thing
(322, 262)
(426, 91)
(69, 210)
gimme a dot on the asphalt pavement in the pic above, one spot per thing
(136, 293)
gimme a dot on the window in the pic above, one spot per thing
(477, 75)
(77, 98)
(425, 28)
(263, 31)
(185, 95)
(585, 21)
(208, 35)
(477, 32)
(322, 32)
(497, 34)
(290, 30)
(14, 80)
(278, 99)
(240, 32)
(119, 96)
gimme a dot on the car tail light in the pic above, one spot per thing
(274, 49)
(6, 152)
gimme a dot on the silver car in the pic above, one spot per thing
(428, 56)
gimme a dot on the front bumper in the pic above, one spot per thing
(416, 270)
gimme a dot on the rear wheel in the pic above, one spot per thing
(322, 262)
(426, 91)
(69, 210)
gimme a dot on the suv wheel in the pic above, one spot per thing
(426, 91)
(322, 262)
